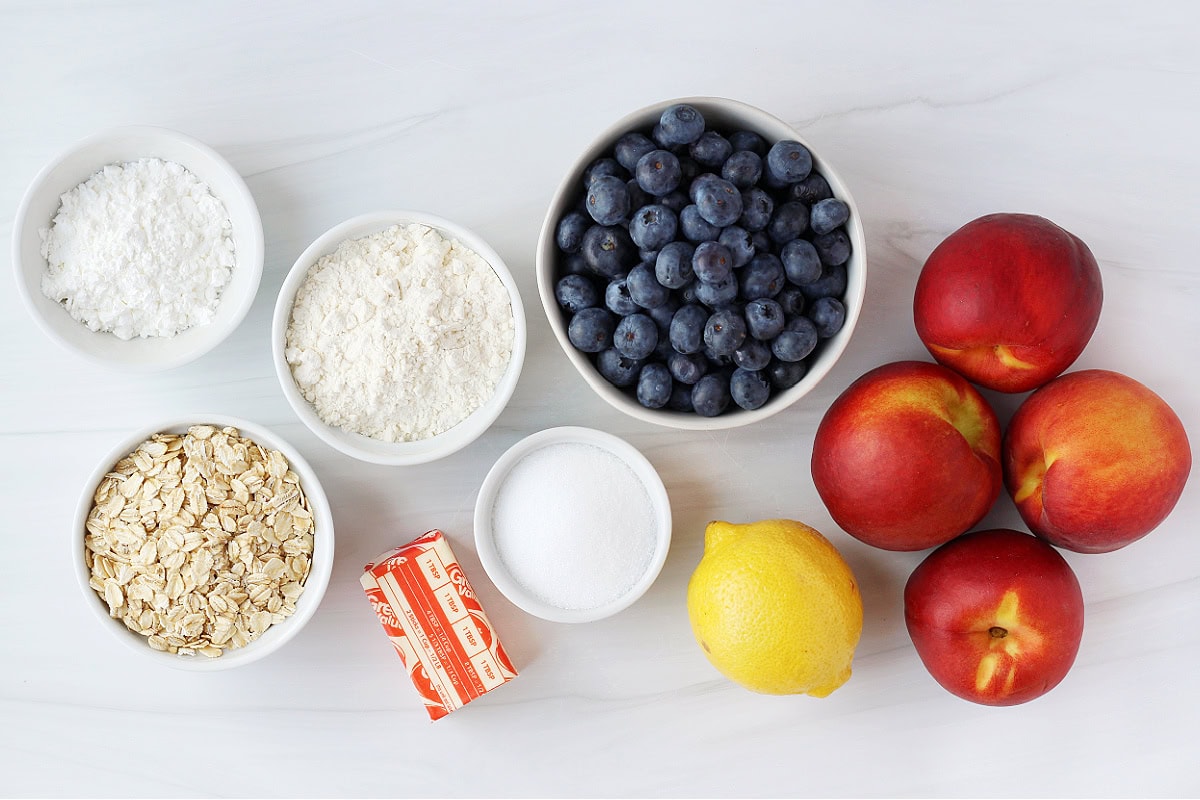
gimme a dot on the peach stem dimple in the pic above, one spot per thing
(996, 632)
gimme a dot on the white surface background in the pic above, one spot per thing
(935, 113)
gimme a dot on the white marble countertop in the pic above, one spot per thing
(934, 113)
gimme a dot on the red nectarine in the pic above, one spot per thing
(1094, 460)
(1008, 300)
(996, 616)
(908, 457)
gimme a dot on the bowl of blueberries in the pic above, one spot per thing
(701, 265)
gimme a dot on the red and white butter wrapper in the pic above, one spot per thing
(433, 618)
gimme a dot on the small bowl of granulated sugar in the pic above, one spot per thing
(572, 524)
(138, 248)
(398, 337)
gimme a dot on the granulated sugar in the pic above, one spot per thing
(574, 525)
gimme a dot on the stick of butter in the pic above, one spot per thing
(433, 618)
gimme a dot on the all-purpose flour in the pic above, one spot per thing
(399, 335)
(139, 249)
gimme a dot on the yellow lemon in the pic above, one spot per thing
(775, 607)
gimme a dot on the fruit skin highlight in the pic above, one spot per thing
(996, 616)
(1094, 460)
(775, 607)
(1008, 300)
(908, 457)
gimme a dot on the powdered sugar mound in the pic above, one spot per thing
(399, 335)
(140, 249)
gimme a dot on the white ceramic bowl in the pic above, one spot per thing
(375, 450)
(314, 587)
(732, 115)
(498, 571)
(42, 200)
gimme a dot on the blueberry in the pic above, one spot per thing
(832, 283)
(608, 250)
(757, 209)
(833, 247)
(752, 355)
(617, 299)
(673, 267)
(649, 256)
(574, 264)
(712, 262)
(603, 167)
(719, 202)
(652, 227)
(658, 172)
(828, 315)
(702, 180)
(575, 293)
(616, 368)
(761, 241)
(607, 200)
(686, 368)
(696, 228)
(635, 336)
(687, 292)
(637, 198)
(791, 299)
(722, 365)
(654, 386)
(688, 169)
(717, 295)
(659, 137)
(786, 374)
(788, 161)
(790, 220)
(743, 169)
(828, 214)
(591, 329)
(811, 190)
(724, 331)
(630, 147)
(764, 319)
(710, 395)
(681, 124)
(663, 314)
(799, 338)
(748, 388)
(675, 200)
(711, 149)
(644, 287)
(740, 245)
(748, 140)
(687, 329)
(762, 277)
(681, 397)
(569, 233)
(800, 261)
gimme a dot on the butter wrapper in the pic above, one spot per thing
(433, 618)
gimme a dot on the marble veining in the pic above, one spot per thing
(933, 113)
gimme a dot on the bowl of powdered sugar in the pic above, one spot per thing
(572, 524)
(138, 248)
(398, 337)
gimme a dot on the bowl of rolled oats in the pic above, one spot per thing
(206, 542)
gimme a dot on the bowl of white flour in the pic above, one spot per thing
(139, 248)
(398, 337)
